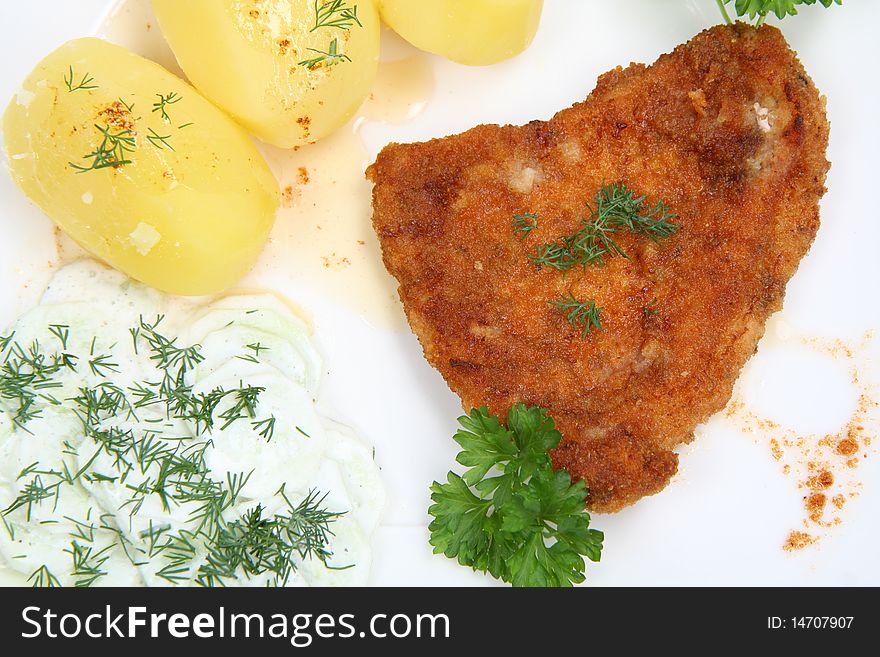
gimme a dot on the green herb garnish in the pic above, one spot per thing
(128, 106)
(582, 315)
(159, 141)
(760, 9)
(332, 14)
(87, 563)
(34, 492)
(257, 544)
(335, 13)
(27, 374)
(102, 364)
(523, 224)
(266, 427)
(84, 84)
(43, 577)
(256, 348)
(218, 541)
(62, 332)
(614, 208)
(511, 514)
(162, 104)
(328, 58)
(111, 152)
(651, 309)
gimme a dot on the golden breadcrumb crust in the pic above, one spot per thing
(730, 132)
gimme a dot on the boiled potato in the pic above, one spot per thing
(472, 32)
(139, 168)
(290, 71)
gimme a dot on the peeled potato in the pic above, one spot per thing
(290, 71)
(172, 193)
(474, 32)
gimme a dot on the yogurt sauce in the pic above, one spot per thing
(93, 525)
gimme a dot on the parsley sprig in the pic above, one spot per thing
(758, 10)
(511, 514)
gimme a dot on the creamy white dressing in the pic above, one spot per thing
(305, 451)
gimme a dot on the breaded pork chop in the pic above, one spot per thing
(730, 132)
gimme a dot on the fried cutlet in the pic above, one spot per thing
(730, 132)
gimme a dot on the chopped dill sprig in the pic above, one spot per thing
(173, 360)
(5, 341)
(256, 348)
(135, 332)
(256, 544)
(43, 577)
(216, 542)
(159, 141)
(33, 493)
(87, 563)
(582, 315)
(25, 375)
(60, 331)
(162, 104)
(615, 207)
(335, 13)
(111, 152)
(266, 427)
(82, 529)
(244, 405)
(128, 106)
(308, 523)
(523, 224)
(101, 365)
(84, 84)
(329, 58)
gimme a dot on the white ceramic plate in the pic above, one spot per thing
(726, 515)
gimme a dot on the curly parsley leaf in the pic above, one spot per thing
(457, 530)
(760, 9)
(485, 443)
(511, 514)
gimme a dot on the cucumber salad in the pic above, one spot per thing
(149, 440)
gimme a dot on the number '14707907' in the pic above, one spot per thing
(810, 622)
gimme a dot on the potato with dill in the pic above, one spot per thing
(140, 169)
(290, 71)
(475, 32)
